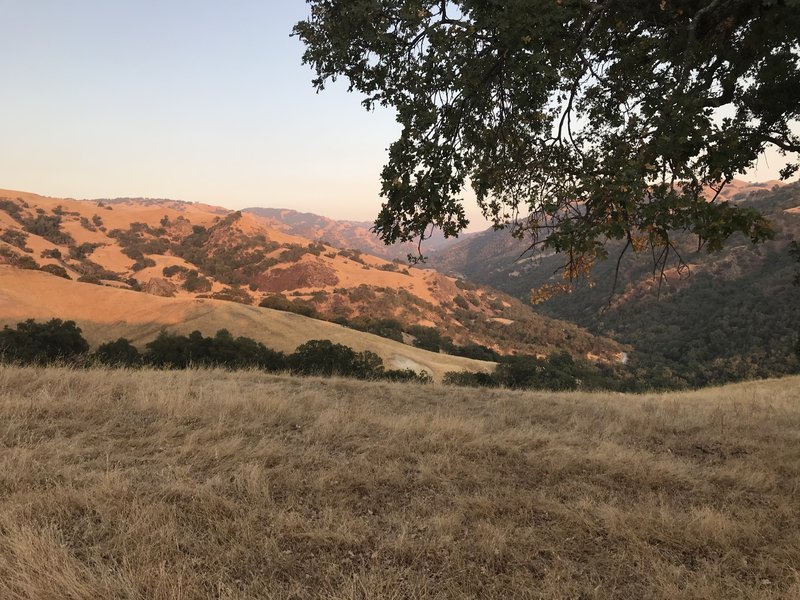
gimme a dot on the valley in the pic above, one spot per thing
(726, 316)
(146, 264)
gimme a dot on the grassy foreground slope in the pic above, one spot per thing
(199, 484)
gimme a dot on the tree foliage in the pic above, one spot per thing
(223, 350)
(575, 121)
(119, 353)
(40, 343)
(323, 357)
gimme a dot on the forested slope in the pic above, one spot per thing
(728, 316)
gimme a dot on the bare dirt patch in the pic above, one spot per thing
(297, 276)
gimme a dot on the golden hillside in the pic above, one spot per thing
(194, 251)
(106, 313)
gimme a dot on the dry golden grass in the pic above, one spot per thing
(206, 484)
(105, 314)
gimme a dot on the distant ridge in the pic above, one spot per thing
(349, 234)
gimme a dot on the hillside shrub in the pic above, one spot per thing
(476, 351)
(82, 251)
(12, 208)
(293, 253)
(48, 227)
(297, 306)
(407, 376)
(92, 271)
(143, 263)
(15, 259)
(352, 254)
(470, 379)
(89, 279)
(57, 270)
(461, 302)
(86, 224)
(16, 238)
(233, 294)
(195, 282)
(430, 339)
(362, 293)
(174, 270)
(386, 327)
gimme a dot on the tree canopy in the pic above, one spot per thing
(574, 121)
(40, 343)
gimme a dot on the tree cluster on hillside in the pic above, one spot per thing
(41, 343)
(559, 371)
(37, 223)
(62, 341)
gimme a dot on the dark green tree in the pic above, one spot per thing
(169, 351)
(429, 338)
(120, 353)
(794, 252)
(591, 120)
(323, 357)
(41, 343)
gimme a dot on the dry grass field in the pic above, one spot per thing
(207, 484)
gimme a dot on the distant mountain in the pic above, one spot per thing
(191, 252)
(730, 315)
(347, 234)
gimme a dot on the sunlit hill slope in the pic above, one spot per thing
(190, 252)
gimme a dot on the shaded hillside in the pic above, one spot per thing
(347, 234)
(730, 315)
(193, 251)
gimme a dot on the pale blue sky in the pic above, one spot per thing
(195, 100)
(199, 100)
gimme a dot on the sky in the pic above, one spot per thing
(197, 100)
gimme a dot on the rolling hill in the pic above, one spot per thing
(188, 252)
(105, 313)
(206, 483)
